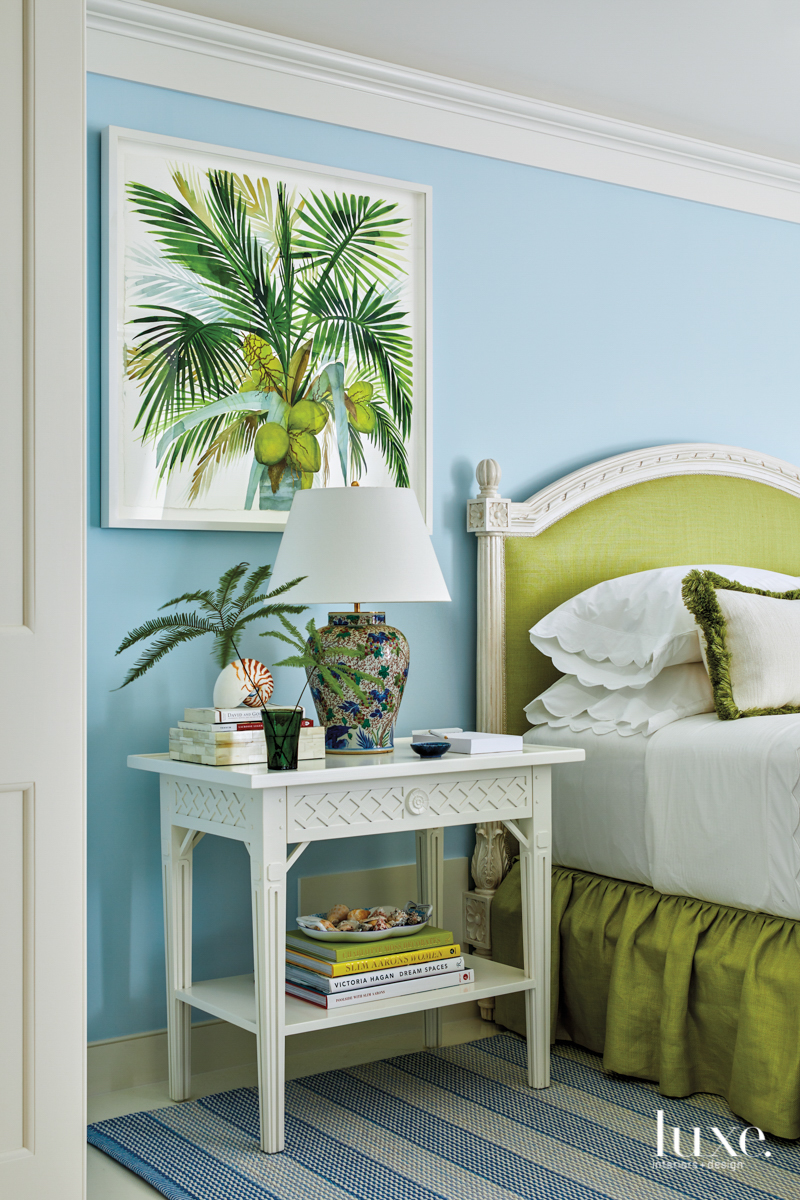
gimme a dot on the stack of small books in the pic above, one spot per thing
(226, 737)
(469, 742)
(336, 974)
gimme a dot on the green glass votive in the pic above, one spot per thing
(282, 731)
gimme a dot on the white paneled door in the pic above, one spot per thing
(42, 435)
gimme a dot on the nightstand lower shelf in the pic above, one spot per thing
(233, 999)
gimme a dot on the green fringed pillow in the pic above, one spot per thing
(751, 644)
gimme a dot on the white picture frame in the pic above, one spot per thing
(134, 494)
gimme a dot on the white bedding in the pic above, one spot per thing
(598, 805)
(704, 808)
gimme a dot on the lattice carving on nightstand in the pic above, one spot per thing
(210, 804)
(464, 797)
(336, 810)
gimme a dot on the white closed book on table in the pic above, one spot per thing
(467, 741)
(470, 742)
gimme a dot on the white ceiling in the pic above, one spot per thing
(723, 70)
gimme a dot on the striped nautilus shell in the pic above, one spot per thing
(248, 682)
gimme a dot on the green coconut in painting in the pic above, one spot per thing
(271, 444)
(281, 340)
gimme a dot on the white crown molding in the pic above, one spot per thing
(566, 495)
(148, 43)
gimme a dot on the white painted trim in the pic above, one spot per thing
(148, 43)
(42, 565)
(115, 1064)
(658, 462)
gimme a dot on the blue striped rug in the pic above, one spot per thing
(451, 1124)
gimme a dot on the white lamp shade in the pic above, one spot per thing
(365, 545)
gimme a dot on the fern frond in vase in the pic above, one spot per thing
(238, 600)
(315, 658)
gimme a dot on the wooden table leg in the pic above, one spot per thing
(268, 891)
(430, 890)
(535, 884)
(177, 883)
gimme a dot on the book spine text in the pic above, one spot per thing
(362, 995)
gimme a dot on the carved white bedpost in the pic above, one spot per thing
(488, 518)
(490, 862)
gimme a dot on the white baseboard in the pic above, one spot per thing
(139, 1060)
(117, 1064)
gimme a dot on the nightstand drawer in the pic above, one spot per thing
(416, 801)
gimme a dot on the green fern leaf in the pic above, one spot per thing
(188, 621)
(157, 650)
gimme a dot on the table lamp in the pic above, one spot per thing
(361, 546)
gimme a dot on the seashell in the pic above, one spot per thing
(237, 683)
(380, 912)
(338, 913)
(327, 924)
(414, 919)
(377, 923)
(348, 926)
(358, 914)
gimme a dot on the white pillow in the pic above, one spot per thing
(751, 646)
(623, 632)
(682, 691)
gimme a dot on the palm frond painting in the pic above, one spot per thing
(267, 333)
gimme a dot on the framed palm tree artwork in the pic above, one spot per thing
(268, 330)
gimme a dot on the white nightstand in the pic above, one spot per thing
(332, 798)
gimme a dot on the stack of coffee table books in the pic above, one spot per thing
(228, 737)
(336, 974)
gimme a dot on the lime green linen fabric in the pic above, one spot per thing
(691, 519)
(698, 997)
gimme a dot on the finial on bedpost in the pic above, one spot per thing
(488, 513)
(488, 476)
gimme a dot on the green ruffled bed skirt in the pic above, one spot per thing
(696, 996)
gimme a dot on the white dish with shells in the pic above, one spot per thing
(344, 924)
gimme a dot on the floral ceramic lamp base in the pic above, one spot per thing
(350, 727)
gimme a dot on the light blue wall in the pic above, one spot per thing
(572, 320)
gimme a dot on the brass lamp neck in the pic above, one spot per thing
(356, 607)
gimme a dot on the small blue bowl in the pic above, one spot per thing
(430, 749)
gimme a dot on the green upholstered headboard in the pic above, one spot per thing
(667, 521)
